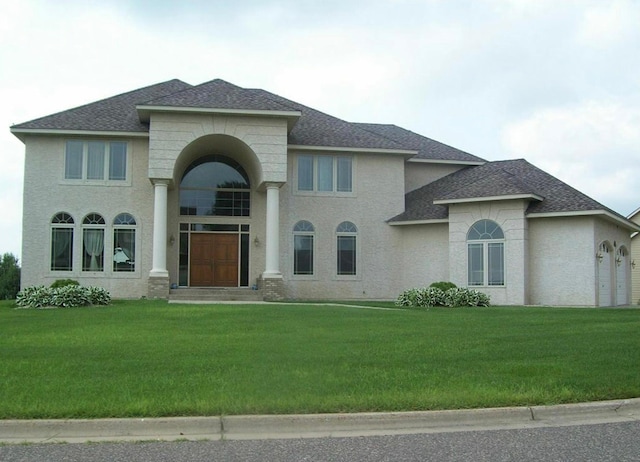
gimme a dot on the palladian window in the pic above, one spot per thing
(215, 186)
(485, 252)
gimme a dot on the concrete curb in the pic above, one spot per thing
(316, 425)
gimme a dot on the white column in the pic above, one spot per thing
(273, 232)
(159, 265)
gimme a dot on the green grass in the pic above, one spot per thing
(149, 358)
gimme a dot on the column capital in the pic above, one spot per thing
(160, 181)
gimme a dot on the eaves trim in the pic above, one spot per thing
(441, 161)
(488, 199)
(21, 132)
(418, 222)
(300, 147)
(585, 213)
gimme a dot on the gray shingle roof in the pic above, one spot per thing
(500, 178)
(117, 114)
(426, 147)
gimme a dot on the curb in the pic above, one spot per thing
(315, 425)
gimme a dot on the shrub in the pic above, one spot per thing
(65, 296)
(434, 296)
(9, 277)
(64, 282)
(443, 285)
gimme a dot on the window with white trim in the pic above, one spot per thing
(485, 254)
(303, 240)
(324, 173)
(93, 227)
(124, 243)
(95, 160)
(346, 234)
(62, 225)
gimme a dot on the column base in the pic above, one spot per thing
(272, 286)
(158, 287)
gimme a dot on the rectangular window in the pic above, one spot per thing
(496, 263)
(61, 249)
(305, 173)
(95, 160)
(117, 161)
(303, 254)
(346, 255)
(93, 250)
(73, 160)
(124, 250)
(323, 173)
(476, 265)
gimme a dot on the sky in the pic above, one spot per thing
(556, 82)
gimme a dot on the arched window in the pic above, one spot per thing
(124, 243)
(346, 244)
(215, 186)
(303, 237)
(485, 252)
(93, 242)
(62, 242)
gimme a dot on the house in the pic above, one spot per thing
(635, 257)
(180, 186)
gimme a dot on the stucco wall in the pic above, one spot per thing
(509, 215)
(46, 193)
(562, 261)
(425, 255)
(378, 195)
(418, 174)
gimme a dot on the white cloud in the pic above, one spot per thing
(609, 23)
(594, 146)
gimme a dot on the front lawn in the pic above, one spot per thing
(149, 358)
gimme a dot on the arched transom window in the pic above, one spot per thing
(485, 253)
(215, 186)
(346, 233)
(124, 243)
(62, 242)
(93, 227)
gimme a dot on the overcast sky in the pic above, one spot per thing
(556, 82)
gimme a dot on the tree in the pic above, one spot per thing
(9, 277)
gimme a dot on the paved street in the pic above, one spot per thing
(617, 442)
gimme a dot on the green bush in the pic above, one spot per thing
(434, 296)
(443, 285)
(64, 282)
(65, 296)
(9, 277)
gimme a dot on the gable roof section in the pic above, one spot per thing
(114, 114)
(427, 148)
(500, 180)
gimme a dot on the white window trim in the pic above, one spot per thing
(336, 234)
(314, 191)
(314, 275)
(85, 154)
(485, 262)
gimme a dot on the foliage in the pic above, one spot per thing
(62, 297)
(434, 296)
(64, 282)
(9, 277)
(443, 285)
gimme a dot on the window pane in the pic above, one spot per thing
(346, 255)
(496, 264)
(124, 249)
(305, 173)
(73, 160)
(476, 265)
(95, 161)
(325, 173)
(93, 250)
(61, 249)
(117, 161)
(344, 174)
(302, 254)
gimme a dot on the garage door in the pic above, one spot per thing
(622, 268)
(604, 275)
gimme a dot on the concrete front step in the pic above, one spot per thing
(215, 294)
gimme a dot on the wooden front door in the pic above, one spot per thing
(214, 260)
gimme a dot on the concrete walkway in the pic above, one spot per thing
(315, 426)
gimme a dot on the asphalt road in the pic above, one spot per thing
(617, 442)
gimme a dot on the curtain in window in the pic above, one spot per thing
(344, 174)
(325, 173)
(93, 247)
(95, 161)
